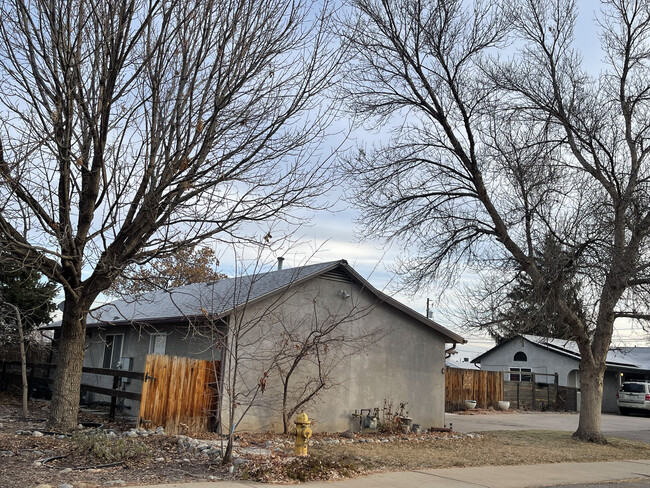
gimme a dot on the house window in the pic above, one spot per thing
(112, 350)
(157, 343)
(521, 356)
(521, 377)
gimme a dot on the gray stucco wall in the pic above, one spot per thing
(405, 364)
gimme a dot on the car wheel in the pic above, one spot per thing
(624, 411)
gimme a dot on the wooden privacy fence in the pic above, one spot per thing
(532, 394)
(486, 387)
(179, 394)
(533, 391)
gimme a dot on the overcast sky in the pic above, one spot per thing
(333, 234)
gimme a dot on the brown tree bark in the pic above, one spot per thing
(69, 360)
(591, 392)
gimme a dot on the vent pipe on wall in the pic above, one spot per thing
(280, 260)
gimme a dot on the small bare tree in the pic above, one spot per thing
(490, 156)
(310, 348)
(131, 129)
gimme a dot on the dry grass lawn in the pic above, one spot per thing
(493, 448)
(330, 462)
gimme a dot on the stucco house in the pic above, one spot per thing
(528, 353)
(403, 359)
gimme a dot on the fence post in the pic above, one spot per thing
(111, 413)
(533, 392)
(518, 406)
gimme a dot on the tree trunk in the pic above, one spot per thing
(227, 456)
(23, 360)
(69, 362)
(285, 421)
(591, 390)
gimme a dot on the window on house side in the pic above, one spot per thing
(521, 356)
(157, 343)
(112, 350)
(521, 377)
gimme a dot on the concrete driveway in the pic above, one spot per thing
(632, 427)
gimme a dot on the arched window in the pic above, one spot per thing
(520, 356)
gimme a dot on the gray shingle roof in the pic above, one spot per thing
(222, 297)
(216, 298)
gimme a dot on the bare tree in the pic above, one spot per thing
(490, 156)
(16, 319)
(130, 129)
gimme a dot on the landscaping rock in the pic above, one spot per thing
(254, 451)
(348, 434)
(43, 485)
(239, 461)
(65, 485)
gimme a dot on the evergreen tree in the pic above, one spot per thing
(26, 290)
(531, 309)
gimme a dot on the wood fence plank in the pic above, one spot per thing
(183, 393)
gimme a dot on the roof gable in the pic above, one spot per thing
(222, 297)
(629, 357)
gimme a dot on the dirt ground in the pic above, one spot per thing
(22, 468)
(84, 462)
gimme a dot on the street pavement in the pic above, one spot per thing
(632, 427)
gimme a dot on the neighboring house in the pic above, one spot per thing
(459, 363)
(527, 353)
(404, 364)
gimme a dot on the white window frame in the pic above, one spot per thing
(112, 350)
(517, 374)
(152, 338)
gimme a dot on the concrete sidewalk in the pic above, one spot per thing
(486, 476)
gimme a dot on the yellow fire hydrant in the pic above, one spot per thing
(303, 433)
